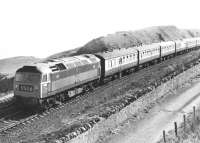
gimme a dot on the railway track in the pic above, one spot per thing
(10, 125)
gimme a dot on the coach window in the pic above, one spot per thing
(123, 58)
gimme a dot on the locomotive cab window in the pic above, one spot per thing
(44, 78)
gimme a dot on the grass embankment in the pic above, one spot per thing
(6, 84)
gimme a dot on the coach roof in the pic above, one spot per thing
(147, 47)
(117, 52)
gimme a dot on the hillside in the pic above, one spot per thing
(8, 66)
(125, 39)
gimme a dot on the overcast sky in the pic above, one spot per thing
(43, 27)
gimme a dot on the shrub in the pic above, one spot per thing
(6, 84)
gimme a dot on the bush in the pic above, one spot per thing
(6, 84)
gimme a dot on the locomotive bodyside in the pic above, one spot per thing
(79, 70)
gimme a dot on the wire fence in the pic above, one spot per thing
(188, 125)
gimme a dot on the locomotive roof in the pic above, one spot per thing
(117, 52)
(60, 64)
(71, 59)
(35, 68)
(70, 62)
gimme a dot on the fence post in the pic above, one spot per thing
(164, 139)
(194, 118)
(194, 113)
(184, 123)
(175, 127)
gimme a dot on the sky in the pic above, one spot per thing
(41, 28)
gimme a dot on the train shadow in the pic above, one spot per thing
(17, 113)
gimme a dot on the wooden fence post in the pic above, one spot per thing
(194, 116)
(164, 139)
(175, 127)
(184, 123)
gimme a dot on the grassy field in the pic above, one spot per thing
(6, 84)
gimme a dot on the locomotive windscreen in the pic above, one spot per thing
(27, 77)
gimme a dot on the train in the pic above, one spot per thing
(55, 81)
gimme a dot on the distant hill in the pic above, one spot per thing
(125, 39)
(63, 54)
(8, 66)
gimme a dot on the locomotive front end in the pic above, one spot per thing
(28, 85)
